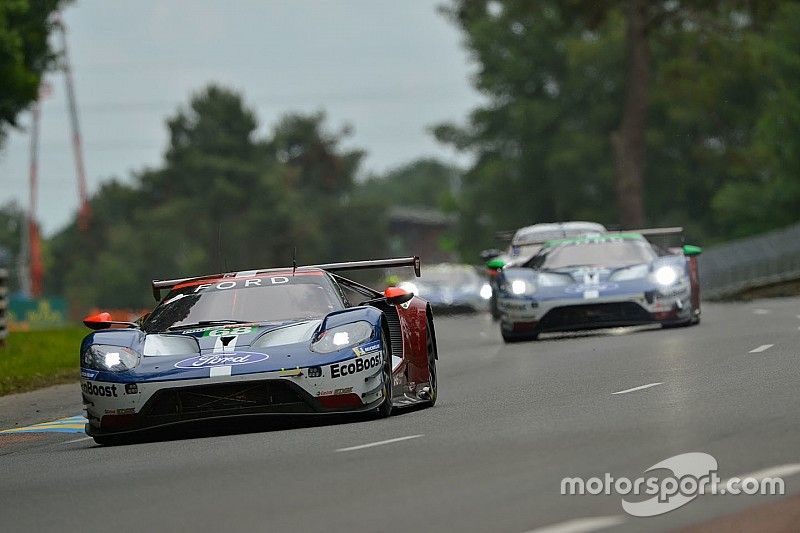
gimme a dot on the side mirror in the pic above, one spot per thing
(103, 321)
(397, 296)
(490, 254)
(690, 250)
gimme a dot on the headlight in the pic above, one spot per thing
(518, 286)
(486, 291)
(666, 275)
(111, 358)
(410, 287)
(341, 337)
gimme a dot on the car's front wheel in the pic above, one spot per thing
(385, 409)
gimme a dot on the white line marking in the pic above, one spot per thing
(581, 525)
(762, 348)
(762, 311)
(78, 440)
(379, 443)
(640, 387)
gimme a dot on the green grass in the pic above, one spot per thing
(35, 359)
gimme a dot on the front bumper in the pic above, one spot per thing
(528, 315)
(114, 408)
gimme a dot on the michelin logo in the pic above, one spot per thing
(367, 348)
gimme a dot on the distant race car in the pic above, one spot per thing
(275, 341)
(525, 243)
(451, 288)
(600, 281)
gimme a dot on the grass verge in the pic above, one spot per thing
(35, 359)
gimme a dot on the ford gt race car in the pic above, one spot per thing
(276, 341)
(525, 243)
(599, 281)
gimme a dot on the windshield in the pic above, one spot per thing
(256, 299)
(607, 253)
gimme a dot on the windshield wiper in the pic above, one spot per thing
(202, 323)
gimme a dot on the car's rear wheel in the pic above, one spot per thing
(433, 384)
(385, 409)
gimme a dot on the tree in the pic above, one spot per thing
(223, 200)
(627, 112)
(24, 54)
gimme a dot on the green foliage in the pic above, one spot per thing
(722, 115)
(34, 359)
(224, 200)
(24, 54)
(424, 182)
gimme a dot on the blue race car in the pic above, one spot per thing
(599, 281)
(274, 341)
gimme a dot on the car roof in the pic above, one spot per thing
(538, 233)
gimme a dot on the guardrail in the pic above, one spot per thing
(733, 268)
(3, 306)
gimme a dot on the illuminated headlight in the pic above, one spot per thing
(110, 358)
(518, 286)
(341, 337)
(410, 287)
(666, 275)
(486, 291)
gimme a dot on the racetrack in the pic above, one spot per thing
(511, 422)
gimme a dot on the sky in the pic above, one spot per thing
(389, 69)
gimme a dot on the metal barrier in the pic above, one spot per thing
(768, 259)
(3, 306)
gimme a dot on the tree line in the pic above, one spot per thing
(627, 112)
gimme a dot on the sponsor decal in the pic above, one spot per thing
(88, 374)
(126, 411)
(131, 388)
(243, 283)
(315, 372)
(228, 332)
(589, 287)
(222, 359)
(367, 348)
(346, 390)
(93, 389)
(355, 366)
(325, 393)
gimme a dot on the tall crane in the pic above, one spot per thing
(31, 267)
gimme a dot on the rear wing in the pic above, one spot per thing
(158, 285)
(648, 232)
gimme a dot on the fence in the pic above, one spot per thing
(3, 306)
(730, 269)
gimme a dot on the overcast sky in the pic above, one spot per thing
(389, 68)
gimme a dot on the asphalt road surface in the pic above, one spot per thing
(511, 422)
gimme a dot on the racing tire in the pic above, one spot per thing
(385, 409)
(433, 383)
